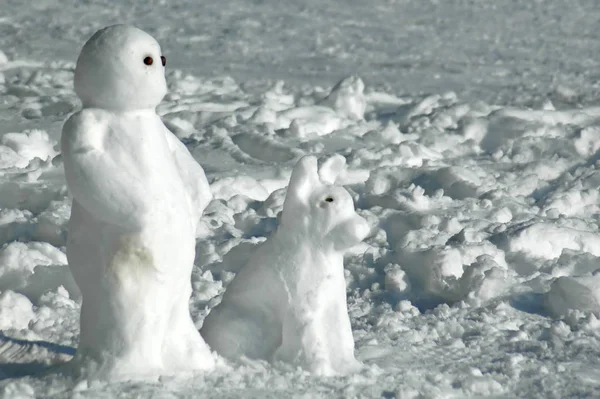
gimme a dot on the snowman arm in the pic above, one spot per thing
(191, 172)
(108, 192)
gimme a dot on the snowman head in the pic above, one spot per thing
(121, 68)
(318, 208)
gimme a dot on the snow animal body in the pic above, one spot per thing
(137, 197)
(289, 301)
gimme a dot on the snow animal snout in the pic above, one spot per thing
(317, 206)
(350, 233)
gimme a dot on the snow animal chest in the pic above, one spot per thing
(317, 284)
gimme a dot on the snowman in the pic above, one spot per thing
(288, 303)
(137, 197)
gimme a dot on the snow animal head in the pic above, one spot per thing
(314, 205)
(120, 68)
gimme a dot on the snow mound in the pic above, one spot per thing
(547, 240)
(16, 311)
(347, 98)
(30, 144)
(574, 293)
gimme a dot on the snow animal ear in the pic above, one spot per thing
(331, 168)
(304, 179)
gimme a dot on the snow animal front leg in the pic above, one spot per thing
(191, 172)
(304, 342)
(341, 340)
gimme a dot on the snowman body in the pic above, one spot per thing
(288, 302)
(137, 196)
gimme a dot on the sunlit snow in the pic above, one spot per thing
(471, 136)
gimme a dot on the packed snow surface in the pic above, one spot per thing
(471, 133)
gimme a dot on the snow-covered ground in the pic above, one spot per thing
(476, 163)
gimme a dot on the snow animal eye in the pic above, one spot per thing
(329, 199)
(148, 60)
(163, 59)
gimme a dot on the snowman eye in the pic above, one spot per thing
(163, 59)
(329, 199)
(148, 60)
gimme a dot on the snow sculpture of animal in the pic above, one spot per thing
(289, 301)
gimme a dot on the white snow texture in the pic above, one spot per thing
(471, 133)
(137, 197)
(289, 301)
